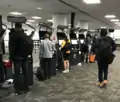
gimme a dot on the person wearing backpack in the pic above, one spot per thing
(20, 46)
(104, 48)
(65, 48)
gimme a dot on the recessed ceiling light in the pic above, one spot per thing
(103, 27)
(28, 22)
(110, 16)
(15, 13)
(31, 21)
(118, 23)
(92, 1)
(36, 17)
(114, 20)
(50, 20)
(38, 8)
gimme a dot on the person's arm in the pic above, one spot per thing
(41, 50)
(113, 44)
(31, 35)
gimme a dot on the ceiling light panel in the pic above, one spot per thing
(36, 17)
(92, 1)
(39, 8)
(31, 21)
(103, 27)
(114, 20)
(110, 16)
(15, 13)
(117, 23)
(50, 20)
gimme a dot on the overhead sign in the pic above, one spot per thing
(16, 19)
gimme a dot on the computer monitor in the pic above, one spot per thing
(60, 42)
(74, 42)
(81, 41)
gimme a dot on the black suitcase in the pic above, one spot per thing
(30, 71)
(53, 65)
(21, 81)
(40, 74)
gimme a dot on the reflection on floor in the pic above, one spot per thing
(77, 86)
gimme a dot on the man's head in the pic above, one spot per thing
(46, 36)
(103, 32)
(18, 26)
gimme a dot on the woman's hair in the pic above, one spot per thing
(66, 39)
(103, 32)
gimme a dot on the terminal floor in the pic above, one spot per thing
(77, 86)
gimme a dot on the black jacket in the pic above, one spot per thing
(95, 46)
(16, 41)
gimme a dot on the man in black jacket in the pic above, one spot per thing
(16, 42)
(103, 48)
(2, 51)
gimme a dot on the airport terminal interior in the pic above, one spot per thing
(59, 18)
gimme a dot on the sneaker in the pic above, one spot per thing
(68, 70)
(18, 93)
(65, 71)
(100, 84)
(105, 82)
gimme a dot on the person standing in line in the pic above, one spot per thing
(103, 48)
(19, 58)
(66, 54)
(2, 51)
(46, 53)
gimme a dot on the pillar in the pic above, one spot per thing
(58, 20)
(84, 25)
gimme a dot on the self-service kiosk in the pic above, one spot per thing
(43, 29)
(75, 52)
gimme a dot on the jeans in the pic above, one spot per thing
(18, 64)
(2, 71)
(46, 66)
(102, 71)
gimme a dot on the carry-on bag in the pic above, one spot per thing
(30, 71)
(40, 74)
(8, 69)
(92, 58)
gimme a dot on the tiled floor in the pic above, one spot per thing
(77, 86)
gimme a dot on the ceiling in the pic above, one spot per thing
(94, 14)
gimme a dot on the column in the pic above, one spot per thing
(84, 25)
(58, 20)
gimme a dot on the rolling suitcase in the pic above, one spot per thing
(8, 69)
(92, 58)
(53, 65)
(30, 70)
(40, 74)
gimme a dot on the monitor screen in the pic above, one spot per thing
(60, 42)
(74, 42)
(81, 41)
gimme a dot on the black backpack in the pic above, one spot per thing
(105, 49)
(27, 46)
(68, 46)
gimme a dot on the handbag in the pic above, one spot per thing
(111, 58)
